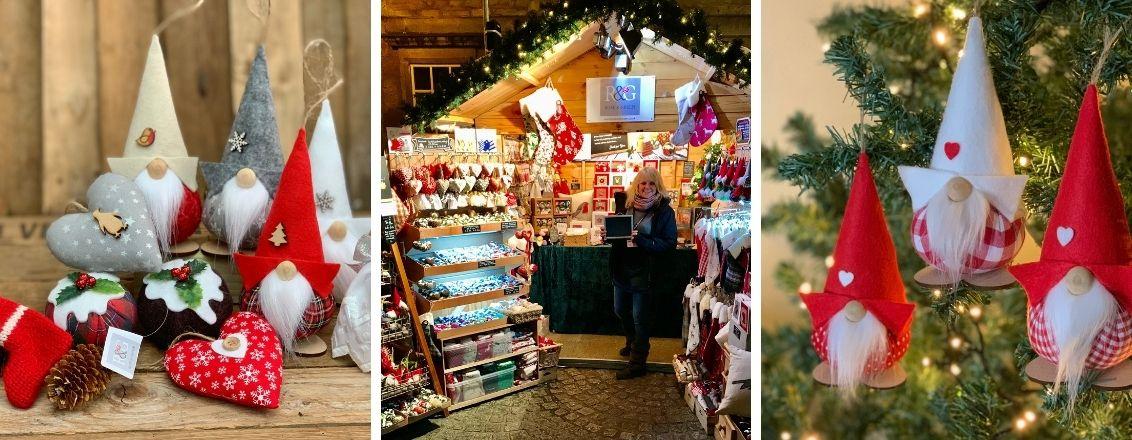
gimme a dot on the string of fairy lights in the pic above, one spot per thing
(940, 36)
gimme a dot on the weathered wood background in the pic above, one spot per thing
(150, 405)
(69, 73)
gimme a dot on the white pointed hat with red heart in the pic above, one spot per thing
(972, 140)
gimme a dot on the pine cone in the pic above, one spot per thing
(77, 378)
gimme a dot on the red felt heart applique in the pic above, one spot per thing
(243, 366)
(951, 149)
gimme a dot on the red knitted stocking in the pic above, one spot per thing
(34, 344)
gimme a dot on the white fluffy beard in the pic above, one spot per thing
(241, 208)
(1075, 321)
(341, 252)
(955, 229)
(850, 347)
(283, 304)
(163, 197)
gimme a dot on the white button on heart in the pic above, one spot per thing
(845, 277)
(1064, 235)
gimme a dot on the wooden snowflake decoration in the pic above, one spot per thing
(237, 142)
(324, 201)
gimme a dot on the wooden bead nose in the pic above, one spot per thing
(286, 270)
(1079, 280)
(854, 311)
(337, 230)
(157, 168)
(958, 189)
(245, 178)
(231, 343)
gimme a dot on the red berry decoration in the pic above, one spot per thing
(85, 281)
(181, 273)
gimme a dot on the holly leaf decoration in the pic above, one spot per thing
(68, 293)
(190, 292)
(165, 275)
(101, 287)
(107, 287)
(196, 266)
(73, 276)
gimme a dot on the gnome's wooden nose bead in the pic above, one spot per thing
(157, 168)
(854, 311)
(245, 178)
(286, 270)
(1079, 280)
(959, 189)
(337, 230)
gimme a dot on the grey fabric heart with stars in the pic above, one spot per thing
(116, 235)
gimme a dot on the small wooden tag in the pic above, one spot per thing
(110, 223)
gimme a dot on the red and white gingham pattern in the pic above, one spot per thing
(315, 317)
(820, 340)
(1002, 239)
(1111, 346)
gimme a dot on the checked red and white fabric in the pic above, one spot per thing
(1111, 346)
(820, 339)
(1001, 241)
(315, 317)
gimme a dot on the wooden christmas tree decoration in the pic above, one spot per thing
(278, 236)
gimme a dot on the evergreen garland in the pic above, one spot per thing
(554, 22)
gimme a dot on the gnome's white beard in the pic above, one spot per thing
(341, 252)
(163, 197)
(851, 346)
(241, 208)
(1075, 321)
(283, 304)
(956, 229)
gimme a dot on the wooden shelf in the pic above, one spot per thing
(494, 324)
(456, 301)
(413, 233)
(411, 420)
(494, 359)
(417, 271)
(487, 397)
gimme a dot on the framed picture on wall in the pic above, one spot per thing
(601, 179)
(601, 205)
(601, 167)
(601, 192)
(618, 180)
(617, 166)
(615, 189)
(654, 164)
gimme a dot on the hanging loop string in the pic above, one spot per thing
(177, 15)
(74, 207)
(261, 10)
(1110, 35)
(318, 63)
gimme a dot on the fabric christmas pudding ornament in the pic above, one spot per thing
(184, 297)
(243, 366)
(86, 305)
(567, 136)
(968, 221)
(116, 235)
(33, 346)
(156, 159)
(288, 280)
(1080, 291)
(862, 321)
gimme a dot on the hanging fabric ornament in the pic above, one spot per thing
(862, 321)
(567, 136)
(967, 222)
(705, 121)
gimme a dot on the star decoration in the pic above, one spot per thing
(236, 142)
(324, 201)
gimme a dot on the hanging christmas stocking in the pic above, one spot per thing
(685, 101)
(34, 345)
(706, 123)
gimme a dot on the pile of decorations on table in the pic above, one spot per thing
(435, 220)
(450, 186)
(400, 410)
(470, 286)
(466, 254)
(145, 210)
(408, 374)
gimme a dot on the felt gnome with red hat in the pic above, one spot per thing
(156, 159)
(967, 224)
(288, 280)
(862, 321)
(1080, 290)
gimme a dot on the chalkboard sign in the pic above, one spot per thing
(471, 228)
(511, 290)
(608, 143)
(388, 230)
(431, 143)
(508, 225)
(486, 263)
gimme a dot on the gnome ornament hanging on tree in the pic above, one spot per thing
(287, 280)
(967, 224)
(1080, 290)
(156, 159)
(862, 321)
(241, 186)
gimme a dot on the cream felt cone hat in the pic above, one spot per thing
(154, 131)
(972, 140)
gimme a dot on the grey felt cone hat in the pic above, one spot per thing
(254, 139)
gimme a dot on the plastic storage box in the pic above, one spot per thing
(501, 344)
(459, 354)
(477, 385)
(483, 347)
(499, 380)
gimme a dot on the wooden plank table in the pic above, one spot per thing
(320, 396)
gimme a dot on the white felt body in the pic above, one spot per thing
(166, 291)
(352, 332)
(83, 305)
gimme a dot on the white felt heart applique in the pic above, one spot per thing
(465, 169)
(1064, 235)
(845, 277)
(460, 185)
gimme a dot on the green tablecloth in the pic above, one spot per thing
(575, 288)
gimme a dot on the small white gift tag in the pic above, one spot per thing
(120, 353)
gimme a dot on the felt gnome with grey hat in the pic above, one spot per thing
(967, 223)
(242, 185)
(336, 223)
(156, 159)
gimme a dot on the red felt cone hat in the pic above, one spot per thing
(291, 231)
(864, 261)
(1088, 226)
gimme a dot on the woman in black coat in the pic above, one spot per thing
(632, 263)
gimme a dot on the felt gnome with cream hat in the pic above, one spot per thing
(288, 280)
(1080, 290)
(336, 223)
(862, 321)
(968, 224)
(241, 186)
(156, 159)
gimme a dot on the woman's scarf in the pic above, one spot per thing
(644, 203)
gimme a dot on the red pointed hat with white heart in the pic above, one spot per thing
(291, 234)
(865, 269)
(1088, 227)
(972, 140)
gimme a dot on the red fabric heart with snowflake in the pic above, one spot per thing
(244, 366)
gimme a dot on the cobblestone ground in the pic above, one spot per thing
(581, 404)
